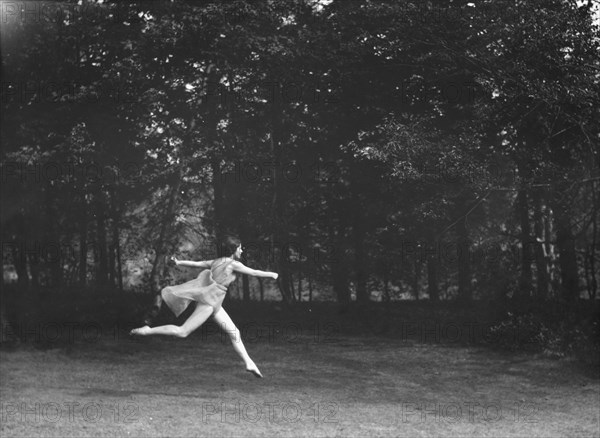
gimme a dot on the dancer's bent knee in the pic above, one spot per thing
(234, 335)
(180, 332)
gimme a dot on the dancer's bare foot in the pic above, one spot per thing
(254, 370)
(140, 331)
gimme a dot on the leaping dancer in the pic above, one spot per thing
(208, 291)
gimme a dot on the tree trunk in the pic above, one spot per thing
(362, 295)
(386, 288)
(567, 257)
(160, 249)
(464, 262)
(592, 253)
(586, 270)
(20, 257)
(7, 334)
(551, 254)
(246, 289)
(525, 279)
(112, 273)
(304, 266)
(210, 105)
(101, 242)
(117, 254)
(34, 269)
(83, 247)
(52, 238)
(243, 234)
(339, 271)
(116, 242)
(292, 291)
(540, 253)
(416, 278)
(219, 223)
(279, 234)
(340, 284)
(261, 288)
(432, 280)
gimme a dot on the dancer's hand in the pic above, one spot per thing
(174, 260)
(275, 275)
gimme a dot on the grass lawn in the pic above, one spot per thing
(347, 386)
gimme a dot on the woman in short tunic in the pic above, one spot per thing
(210, 287)
(208, 291)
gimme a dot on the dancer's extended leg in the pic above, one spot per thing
(196, 319)
(223, 319)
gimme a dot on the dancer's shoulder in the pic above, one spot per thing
(221, 261)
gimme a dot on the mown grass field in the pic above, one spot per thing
(318, 382)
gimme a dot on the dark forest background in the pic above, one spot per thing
(366, 151)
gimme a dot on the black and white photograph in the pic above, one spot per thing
(300, 218)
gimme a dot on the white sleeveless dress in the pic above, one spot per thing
(210, 287)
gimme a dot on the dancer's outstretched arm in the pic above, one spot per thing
(202, 264)
(239, 267)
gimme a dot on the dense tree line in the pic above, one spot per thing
(447, 150)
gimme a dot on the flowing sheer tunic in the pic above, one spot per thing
(210, 287)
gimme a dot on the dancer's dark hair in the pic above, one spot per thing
(228, 246)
